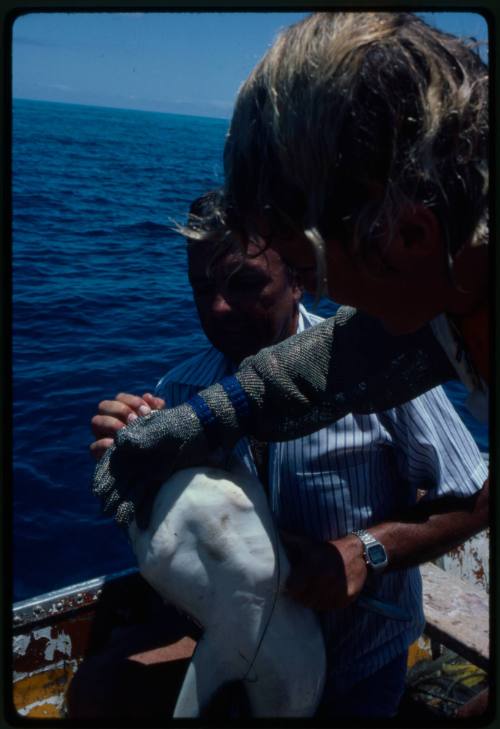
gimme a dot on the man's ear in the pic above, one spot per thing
(417, 240)
(297, 287)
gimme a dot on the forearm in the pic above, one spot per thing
(327, 575)
(429, 530)
(348, 363)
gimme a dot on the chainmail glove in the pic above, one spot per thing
(150, 449)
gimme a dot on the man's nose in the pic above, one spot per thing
(220, 304)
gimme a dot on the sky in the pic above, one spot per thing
(174, 62)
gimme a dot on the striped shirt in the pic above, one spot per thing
(351, 475)
(453, 344)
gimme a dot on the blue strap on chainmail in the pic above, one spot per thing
(206, 417)
(238, 397)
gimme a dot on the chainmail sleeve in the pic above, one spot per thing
(348, 363)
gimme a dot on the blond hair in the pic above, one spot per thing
(350, 116)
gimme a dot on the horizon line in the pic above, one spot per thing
(119, 108)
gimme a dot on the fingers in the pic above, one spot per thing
(155, 403)
(99, 447)
(124, 409)
(317, 576)
(131, 405)
(105, 426)
(116, 414)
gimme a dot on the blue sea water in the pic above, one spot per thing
(101, 304)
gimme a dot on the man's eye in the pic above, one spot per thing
(203, 288)
(245, 284)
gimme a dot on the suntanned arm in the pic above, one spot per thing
(328, 575)
(431, 529)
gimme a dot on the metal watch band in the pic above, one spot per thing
(365, 537)
(368, 541)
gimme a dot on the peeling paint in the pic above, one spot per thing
(70, 665)
(470, 561)
(60, 642)
(42, 694)
(20, 644)
(56, 701)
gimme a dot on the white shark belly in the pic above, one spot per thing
(211, 549)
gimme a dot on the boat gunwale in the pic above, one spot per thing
(66, 600)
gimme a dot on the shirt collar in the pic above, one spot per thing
(306, 319)
(451, 341)
(211, 365)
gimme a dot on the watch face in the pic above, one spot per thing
(377, 554)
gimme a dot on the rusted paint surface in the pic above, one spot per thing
(56, 633)
(45, 645)
(44, 710)
(45, 659)
(41, 695)
(457, 614)
(51, 637)
(420, 650)
(470, 561)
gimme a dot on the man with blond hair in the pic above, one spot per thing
(358, 148)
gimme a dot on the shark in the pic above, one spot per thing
(213, 550)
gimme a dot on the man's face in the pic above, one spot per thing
(244, 303)
(402, 298)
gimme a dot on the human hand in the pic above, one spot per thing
(116, 414)
(144, 454)
(325, 575)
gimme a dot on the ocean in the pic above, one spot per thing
(101, 304)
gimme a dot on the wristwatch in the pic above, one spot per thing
(373, 551)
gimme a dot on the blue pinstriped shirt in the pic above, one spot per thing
(351, 475)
